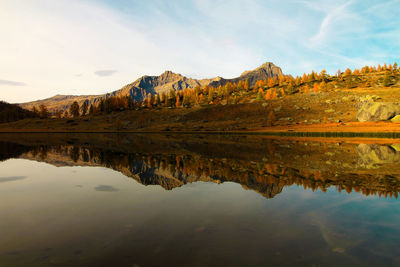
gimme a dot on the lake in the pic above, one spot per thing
(198, 200)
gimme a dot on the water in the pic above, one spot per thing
(192, 200)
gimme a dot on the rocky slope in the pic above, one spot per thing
(156, 85)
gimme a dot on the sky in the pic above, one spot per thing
(80, 47)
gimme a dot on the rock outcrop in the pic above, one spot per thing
(377, 111)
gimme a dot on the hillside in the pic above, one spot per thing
(353, 101)
(12, 112)
(142, 87)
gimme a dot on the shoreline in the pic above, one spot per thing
(379, 130)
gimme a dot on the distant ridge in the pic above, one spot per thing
(163, 83)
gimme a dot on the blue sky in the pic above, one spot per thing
(52, 47)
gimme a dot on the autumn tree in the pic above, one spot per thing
(347, 72)
(304, 78)
(323, 76)
(101, 105)
(84, 108)
(35, 111)
(322, 86)
(270, 118)
(178, 102)
(387, 81)
(58, 113)
(316, 88)
(268, 94)
(91, 109)
(43, 112)
(260, 94)
(158, 100)
(74, 109)
(246, 85)
(172, 98)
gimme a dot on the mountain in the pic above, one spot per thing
(163, 83)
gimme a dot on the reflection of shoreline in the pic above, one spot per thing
(265, 167)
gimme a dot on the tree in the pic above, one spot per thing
(323, 75)
(387, 81)
(304, 78)
(91, 109)
(66, 114)
(35, 111)
(270, 118)
(172, 98)
(347, 72)
(246, 85)
(316, 87)
(158, 100)
(74, 109)
(268, 94)
(108, 105)
(84, 108)
(43, 112)
(322, 86)
(58, 113)
(101, 105)
(260, 95)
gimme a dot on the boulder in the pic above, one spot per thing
(395, 118)
(377, 111)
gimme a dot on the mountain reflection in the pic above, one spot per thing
(262, 164)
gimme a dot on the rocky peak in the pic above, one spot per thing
(169, 76)
(267, 68)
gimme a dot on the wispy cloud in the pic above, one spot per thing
(12, 83)
(57, 40)
(103, 73)
(338, 14)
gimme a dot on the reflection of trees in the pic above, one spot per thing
(74, 153)
(265, 167)
(172, 170)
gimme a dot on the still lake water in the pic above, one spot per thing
(157, 200)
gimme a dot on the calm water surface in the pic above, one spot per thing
(197, 201)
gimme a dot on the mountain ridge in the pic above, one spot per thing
(145, 85)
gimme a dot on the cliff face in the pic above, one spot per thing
(163, 83)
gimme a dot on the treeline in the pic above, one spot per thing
(13, 112)
(234, 93)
